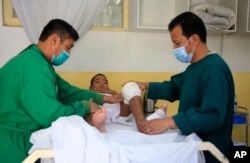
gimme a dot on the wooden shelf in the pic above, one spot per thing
(154, 15)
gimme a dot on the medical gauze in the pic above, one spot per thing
(130, 90)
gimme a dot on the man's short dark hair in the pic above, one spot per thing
(190, 24)
(60, 27)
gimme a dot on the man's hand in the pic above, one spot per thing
(117, 98)
(141, 123)
(157, 126)
(103, 90)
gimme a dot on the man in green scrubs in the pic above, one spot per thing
(32, 95)
(205, 90)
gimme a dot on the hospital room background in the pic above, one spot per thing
(142, 55)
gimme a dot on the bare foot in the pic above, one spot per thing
(98, 119)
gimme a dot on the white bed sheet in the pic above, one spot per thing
(74, 140)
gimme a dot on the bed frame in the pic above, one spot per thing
(204, 146)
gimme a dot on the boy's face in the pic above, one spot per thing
(100, 83)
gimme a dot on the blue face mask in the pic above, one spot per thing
(60, 59)
(181, 54)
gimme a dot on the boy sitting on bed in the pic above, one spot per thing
(125, 111)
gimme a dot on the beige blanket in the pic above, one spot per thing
(215, 17)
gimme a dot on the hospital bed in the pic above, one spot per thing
(205, 146)
(70, 126)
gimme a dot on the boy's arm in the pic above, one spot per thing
(108, 91)
(68, 93)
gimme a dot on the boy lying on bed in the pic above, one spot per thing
(125, 111)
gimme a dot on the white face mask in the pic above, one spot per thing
(181, 54)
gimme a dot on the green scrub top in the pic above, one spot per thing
(32, 96)
(205, 91)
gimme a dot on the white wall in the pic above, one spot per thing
(128, 51)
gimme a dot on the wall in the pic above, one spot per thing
(242, 80)
(129, 51)
(145, 53)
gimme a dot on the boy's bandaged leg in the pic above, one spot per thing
(132, 96)
(130, 90)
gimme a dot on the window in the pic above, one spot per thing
(114, 17)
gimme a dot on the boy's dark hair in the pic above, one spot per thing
(93, 78)
(60, 27)
(190, 24)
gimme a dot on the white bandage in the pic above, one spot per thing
(158, 114)
(130, 90)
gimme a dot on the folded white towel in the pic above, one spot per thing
(215, 17)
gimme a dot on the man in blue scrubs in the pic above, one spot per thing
(205, 90)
